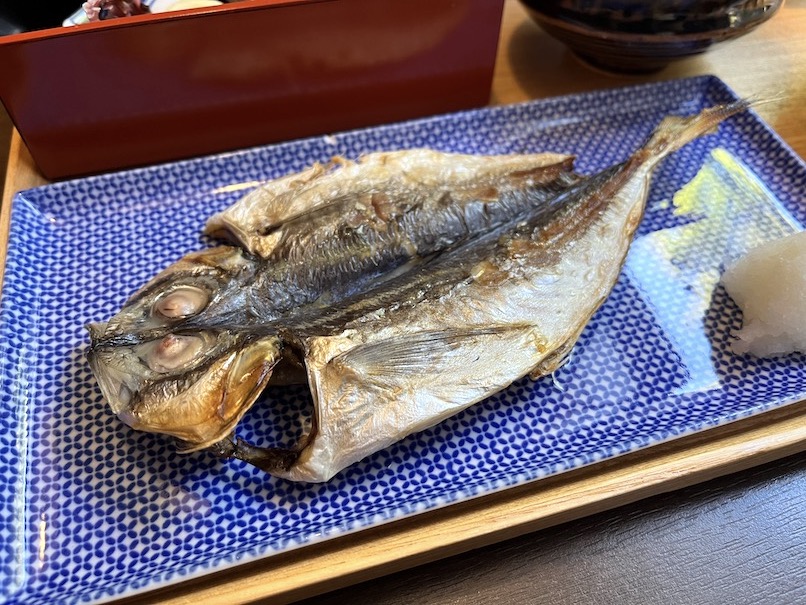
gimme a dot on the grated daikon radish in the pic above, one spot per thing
(769, 285)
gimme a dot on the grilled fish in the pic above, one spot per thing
(192, 350)
(402, 288)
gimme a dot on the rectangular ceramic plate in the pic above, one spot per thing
(91, 510)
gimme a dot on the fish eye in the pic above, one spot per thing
(184, 301)
(172, 352)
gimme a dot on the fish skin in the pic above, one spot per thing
(418, 347)
(261, 219)
(329, 252)
(318, 247)
(456, 334)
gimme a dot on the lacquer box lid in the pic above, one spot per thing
(153, 88)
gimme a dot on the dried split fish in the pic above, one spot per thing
(403, 288)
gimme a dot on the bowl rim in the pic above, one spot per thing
(715, 35)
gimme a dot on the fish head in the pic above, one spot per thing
(168, 363)
(203, 289)
(198, 396)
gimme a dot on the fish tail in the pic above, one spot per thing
(675, 132)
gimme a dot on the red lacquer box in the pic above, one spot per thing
(153, 88)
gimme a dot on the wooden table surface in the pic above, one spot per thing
(739, 538)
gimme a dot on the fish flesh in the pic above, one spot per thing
(192, 350)
(402, 288)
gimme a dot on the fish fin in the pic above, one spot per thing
(542, 174)
(675, 132)
(490, 190)
(269, 459)
(393, 358)
(368, 396)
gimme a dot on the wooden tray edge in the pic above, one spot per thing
(430, 536)
(19, 162)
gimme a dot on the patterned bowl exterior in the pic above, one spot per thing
(639, 36)
(91, 510)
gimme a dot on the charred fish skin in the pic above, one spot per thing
(167, 362)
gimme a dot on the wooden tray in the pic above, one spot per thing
(769, 436)
(431, 536)
(456, 528)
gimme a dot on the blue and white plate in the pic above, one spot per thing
(91, 510)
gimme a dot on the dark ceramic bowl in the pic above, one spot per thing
(636, 36)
